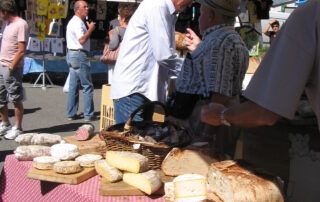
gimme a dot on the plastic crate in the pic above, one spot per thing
(106, 110)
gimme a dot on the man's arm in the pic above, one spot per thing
(266, 30)
(247, 114)
(87, 34)
(160, 26)
(19, 54)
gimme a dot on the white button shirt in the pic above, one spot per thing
(147, 56)
(75, 30)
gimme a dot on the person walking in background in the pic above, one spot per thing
(78, 44)
(116, 35)
(275, 26)
(13, 48)
(147, 58)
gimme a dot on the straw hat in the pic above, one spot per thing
(225, 7)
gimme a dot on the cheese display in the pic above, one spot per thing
(112, 174)
(67, 167)
(38, 139)
(87, 160)
(24, 139)
(232, 182)
(127, 161)
(27, 153)
(64, 151)
(45, 139)
(148, 182)
(190, 187)
(177, 162)
(44, 162)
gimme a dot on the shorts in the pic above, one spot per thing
(11, 89)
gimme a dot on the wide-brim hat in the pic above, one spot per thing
(225, 7)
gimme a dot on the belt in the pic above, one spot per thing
(82, 50)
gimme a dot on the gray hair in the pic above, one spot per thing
(8, 6)
(76, 6)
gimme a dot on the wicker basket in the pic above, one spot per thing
(119, 137)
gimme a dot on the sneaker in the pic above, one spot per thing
(13, 133)
(75, 117)
(4, 127)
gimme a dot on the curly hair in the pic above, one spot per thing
(8, 6)
(126, 10)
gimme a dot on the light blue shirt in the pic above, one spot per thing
(147, 56)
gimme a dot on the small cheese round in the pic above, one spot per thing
(64, 151)
(44, 162)
(190, 187)
(88, 160)
(67, 167)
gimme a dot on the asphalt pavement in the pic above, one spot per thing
(45, 112)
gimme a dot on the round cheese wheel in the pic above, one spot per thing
(64, 151)
(67, 167)
(44, 162)
(88, 160)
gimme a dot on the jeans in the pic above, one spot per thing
(79, 67)
(124, 107)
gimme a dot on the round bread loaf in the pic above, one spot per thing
(44, 162)
(88, 160)
(67, 167)
(180, 41)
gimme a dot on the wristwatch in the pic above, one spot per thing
(222, 118)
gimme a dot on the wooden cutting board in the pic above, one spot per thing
(123, 189)
(51, 176)
(92, 146)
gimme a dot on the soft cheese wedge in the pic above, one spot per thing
(148, 182)
(127, 161)
(112, 174)
(190, 187)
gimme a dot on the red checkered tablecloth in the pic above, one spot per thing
(15, 186)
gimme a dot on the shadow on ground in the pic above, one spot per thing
(3, 154)
(26, 111)
(57, 129)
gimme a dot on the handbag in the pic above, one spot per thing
(109, 56)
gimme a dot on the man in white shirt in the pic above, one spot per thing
(147, 58)
(78, 44)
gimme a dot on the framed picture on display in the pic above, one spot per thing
(101, 10)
